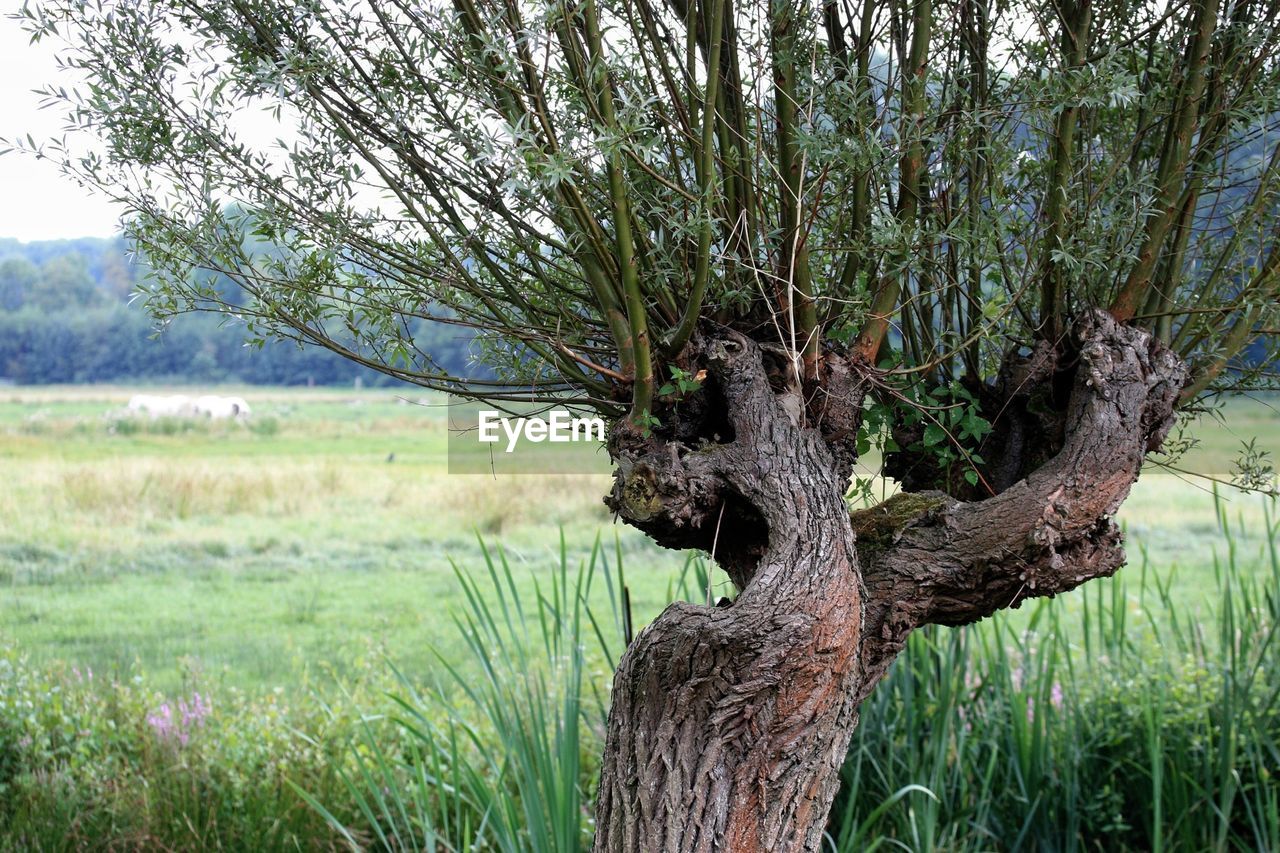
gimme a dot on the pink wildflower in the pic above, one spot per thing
(190, 716)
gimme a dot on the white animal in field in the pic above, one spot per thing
(157, 406)
(221, 408)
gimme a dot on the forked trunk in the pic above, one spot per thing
(728, 725)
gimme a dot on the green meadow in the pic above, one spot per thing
(326, 525)
(293, 569)
(321, 529)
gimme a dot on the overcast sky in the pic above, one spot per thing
(40, 203)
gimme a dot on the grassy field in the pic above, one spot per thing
(264, 555)
(320, 531)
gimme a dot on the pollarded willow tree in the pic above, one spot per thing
(1004, 243)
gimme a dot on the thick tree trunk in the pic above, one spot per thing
(728, 725)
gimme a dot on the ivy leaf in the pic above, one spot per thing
(934, 434)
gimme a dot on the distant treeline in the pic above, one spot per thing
(65, 317)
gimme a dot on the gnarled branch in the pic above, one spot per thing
(929, 559)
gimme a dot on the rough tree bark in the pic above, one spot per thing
(728, 725)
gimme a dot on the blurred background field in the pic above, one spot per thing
(320, 527)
